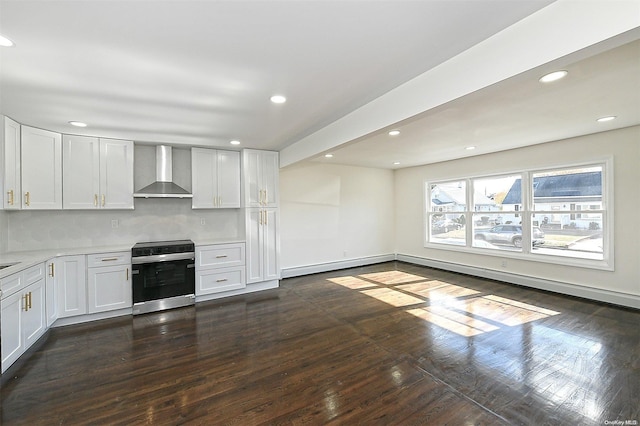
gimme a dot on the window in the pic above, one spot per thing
(556, 215)
(446, 217)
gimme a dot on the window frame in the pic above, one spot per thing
(525, 212)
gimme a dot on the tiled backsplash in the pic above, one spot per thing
(152, 220)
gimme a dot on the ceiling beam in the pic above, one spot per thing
(550, 34)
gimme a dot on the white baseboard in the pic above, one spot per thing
(61, 322)
(250, 288)
(334, 266)
(601, 295)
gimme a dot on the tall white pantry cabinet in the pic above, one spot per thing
(262, 215)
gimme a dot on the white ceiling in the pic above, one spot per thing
(201, 73)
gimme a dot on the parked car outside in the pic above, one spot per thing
(445, 225)
(508, 234)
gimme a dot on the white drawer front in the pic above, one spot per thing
(33, 274)
(11, 284)
(219, 280)
(220, 256)
(108, 259)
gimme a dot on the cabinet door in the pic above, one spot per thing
(12, 188)
(251, 174)
(228, 179)
(203, 178)
(81, 172)
(41, 169)
(69, 273)
(51, 294)
(254, 237)
(270, 169)
(11, 309)
(109, 288)
(34, 321)
(116, 174)
(270, 245)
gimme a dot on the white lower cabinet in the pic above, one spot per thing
(109, 281)
(220, 268)
(22, 314)
(66, 287)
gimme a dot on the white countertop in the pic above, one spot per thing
(26, 259)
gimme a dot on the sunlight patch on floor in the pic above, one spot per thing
(392, 277)
(452, 321)
(505, 311)
(392, 297)
(459, 309)
(437, 290)
(353, 283)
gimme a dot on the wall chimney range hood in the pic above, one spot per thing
(163, 187)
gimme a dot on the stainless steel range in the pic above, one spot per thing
(163, 275)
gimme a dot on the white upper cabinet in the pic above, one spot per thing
(41, 168)
(10, 154)
(98, 173)
(260, 169)
(215, 178)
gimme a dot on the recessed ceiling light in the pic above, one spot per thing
(5, 42)
(78, 123)
(278, 99)
(396, 163)
(553, 76)
(470, 148)
(328, 156)
(235, 142)
(394, 133)
(604, 119)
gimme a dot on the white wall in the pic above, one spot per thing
(332, 213)
(4, 238)
(623, 145)
(152, 220)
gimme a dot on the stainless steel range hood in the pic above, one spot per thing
(163, 187)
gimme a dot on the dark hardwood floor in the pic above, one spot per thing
(387, 344)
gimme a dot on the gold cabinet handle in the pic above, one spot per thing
(26, 303)
(51, 270)
(109, 259)
(95, 200)
(103, 200)
(221, 280)
(27, 199)
(220, 256)
(266, 198)
(10, 195)
(266, 218)
(30, 300)
(219, 201)
(127, 274)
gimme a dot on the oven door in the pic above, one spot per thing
(162, 280)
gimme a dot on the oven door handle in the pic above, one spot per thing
(191, 265)
(135, 271)
(163, 258)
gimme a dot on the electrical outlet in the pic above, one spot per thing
(114, 223)
(202, 221)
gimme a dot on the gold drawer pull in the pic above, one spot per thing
(221, 280)
(109, 259)
(220, 256)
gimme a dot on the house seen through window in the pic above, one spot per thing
(560, 213)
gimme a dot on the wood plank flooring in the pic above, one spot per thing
(392, 343)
